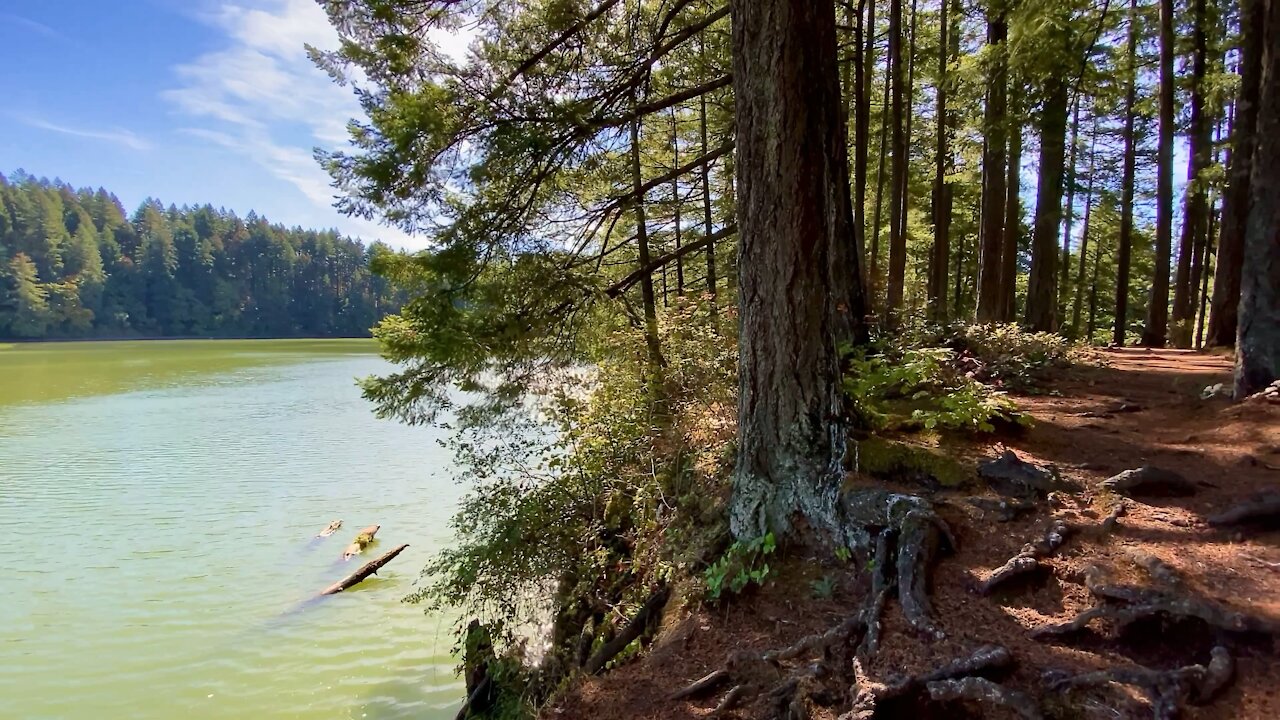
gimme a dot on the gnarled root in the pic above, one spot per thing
(1028, 560)
(1168, 690)
(983, 690)
(903, 535)
(1149, 481)
(1141, 603)
(1264, 509)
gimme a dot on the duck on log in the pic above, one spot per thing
(362, 541)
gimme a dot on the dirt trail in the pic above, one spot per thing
(1139, 407)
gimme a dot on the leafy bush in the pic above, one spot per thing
(922, 389)
(741, 565)
(1008, 356)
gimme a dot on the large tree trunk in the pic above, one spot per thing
(1258, 340)
(676, 200)
(873, 276)
(943, 165)
(1194, 218)
(1042, 296)
(898, 178)
(798, 297)
(993, 168)
(1012, 218)
(1235, 199)
(1124, 251)
(1154, 334)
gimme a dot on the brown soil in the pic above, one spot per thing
(1138, 407)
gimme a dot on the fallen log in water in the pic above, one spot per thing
(358, 576)
(362, 541)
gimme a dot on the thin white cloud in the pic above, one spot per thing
(261, 97)
(36, 27)
(120, 137)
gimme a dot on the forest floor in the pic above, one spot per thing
(1135, 408)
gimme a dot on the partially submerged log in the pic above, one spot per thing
(331, 529)
(359, 576)
(362, 541)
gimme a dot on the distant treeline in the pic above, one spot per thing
(73, 265)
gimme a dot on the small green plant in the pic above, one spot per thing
(824, 588)
(741, 565)
(843, 554)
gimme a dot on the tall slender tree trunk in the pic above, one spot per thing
(1042, 296)
(993, 168)
(1154, 334)
(642, 246)
(1124, 251)
(706, 203)
(1204, 276)
(1194, 220)
(944, 164)
(1069, 214)
(1235, 199)
(898, 179)
(1093, 290)
(799, 300)
(676, 200)
(1258, 338)
(1012, 218)
(873, 280)
(1084, 235)
(865, 64)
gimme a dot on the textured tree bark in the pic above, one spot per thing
(874, 283)
(993, 168)
(1155, 332)
(940, 253)
(799, 299)
(1012, 218)
(1204, 276)
(1042, 295)
(1235, 199)
(1124, 251)
(1194, 218)
(898, 176)
(1258, 339)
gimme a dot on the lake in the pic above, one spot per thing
(160, 502)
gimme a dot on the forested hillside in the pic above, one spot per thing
(74, 265)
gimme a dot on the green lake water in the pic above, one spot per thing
(159, 501)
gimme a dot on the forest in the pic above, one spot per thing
(74, 265)
(782, 324)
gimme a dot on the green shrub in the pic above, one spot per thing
(742, 564)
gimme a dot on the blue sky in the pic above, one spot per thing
(189, 101)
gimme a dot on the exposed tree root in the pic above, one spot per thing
(1147, 603)
(1168, 690)
(982, 690)
(1262, 509)
(901, 532)
(1149, 481)
(1028, 559)
(730, 700)
(1005, 510)
(701, 685)
(633, 630)
(1120, 510)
